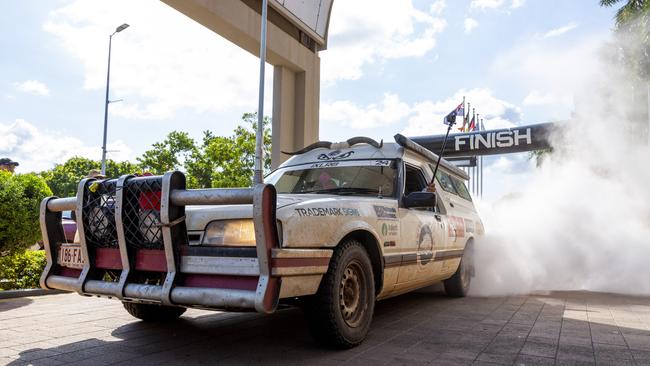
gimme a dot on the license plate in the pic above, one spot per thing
(70, 256)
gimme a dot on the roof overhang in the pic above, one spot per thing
(311, 17)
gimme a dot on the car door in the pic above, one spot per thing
(456, 202)
(421, 234)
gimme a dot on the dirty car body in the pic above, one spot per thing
(151, 241)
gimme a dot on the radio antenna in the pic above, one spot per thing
(450, 121)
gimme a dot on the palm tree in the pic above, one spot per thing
(629, 12)
(633, 35)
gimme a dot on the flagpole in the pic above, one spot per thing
(482, 129)
(465, 129)
(473, 168)
(478, 175)
(464, 105)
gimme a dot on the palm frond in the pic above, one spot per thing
(608, 2)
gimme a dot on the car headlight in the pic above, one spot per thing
(239, 232)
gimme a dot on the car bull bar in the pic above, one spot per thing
(124, 223)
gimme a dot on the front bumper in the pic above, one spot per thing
(133, 227)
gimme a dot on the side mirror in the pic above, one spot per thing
(420, 199)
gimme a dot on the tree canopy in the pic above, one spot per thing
(215, 161)
(20, 198)
(169, 154)
(64, 178)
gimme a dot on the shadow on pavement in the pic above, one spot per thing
(417, 328)
(9, 304)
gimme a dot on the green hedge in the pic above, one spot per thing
(21, 270)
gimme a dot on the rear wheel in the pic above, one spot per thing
(152, 312)
(458, 285)
(340, 313)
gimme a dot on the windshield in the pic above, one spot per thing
(362, 177)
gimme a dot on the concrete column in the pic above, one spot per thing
(307, 104)
(295, 110)
(284, 117)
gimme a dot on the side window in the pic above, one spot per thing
(415, 181)
(445, 182)
(461, 188)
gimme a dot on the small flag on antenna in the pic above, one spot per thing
(450, 119)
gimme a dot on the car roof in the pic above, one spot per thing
(323, 151)
(340, 152)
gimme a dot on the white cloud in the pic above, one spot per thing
(421, 118)
(162, 63)
(470, 24)
(559, 31)
(37, 150)
(553, 74)
(33, 87)
(389, 111)
(495, 4)
(537, 97)
(437, 7)
(487, 4)
(364, 32)
(517, 4)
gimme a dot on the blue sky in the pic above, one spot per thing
(398, 67)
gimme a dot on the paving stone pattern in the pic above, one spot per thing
(425, 327)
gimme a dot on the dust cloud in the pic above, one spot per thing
(582, 220)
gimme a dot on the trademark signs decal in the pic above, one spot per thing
(327, 211)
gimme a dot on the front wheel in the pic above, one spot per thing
(340, 313)
(458, 284)
(152, 312)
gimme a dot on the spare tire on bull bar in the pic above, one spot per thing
(152, 312)
(340, 313)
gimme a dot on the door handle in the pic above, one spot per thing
(451, 204)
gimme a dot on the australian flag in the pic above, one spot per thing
(450, 119)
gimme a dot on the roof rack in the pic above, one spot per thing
(409, 144)
(338, 145)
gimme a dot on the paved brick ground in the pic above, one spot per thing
(419, 328)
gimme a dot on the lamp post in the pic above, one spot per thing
(108, 78)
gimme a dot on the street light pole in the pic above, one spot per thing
(108, 78)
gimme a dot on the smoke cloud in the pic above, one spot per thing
(582, 220)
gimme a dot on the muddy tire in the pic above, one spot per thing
(339, 315)
(458, 285)
(153, 313)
